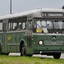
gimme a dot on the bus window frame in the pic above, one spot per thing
(17, 21)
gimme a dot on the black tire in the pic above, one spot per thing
(7, 53)
(56, 55)
(22, 50)
(0, 49)
(30, 55)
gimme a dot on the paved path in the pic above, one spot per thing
(42, 56)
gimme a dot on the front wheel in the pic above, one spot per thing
(56, 55)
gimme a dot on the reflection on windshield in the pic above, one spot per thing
(49, 26)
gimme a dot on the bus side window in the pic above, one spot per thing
(21, 26)
(17, 24)
(1, 26)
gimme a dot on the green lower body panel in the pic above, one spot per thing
(49, 49)
(10, 48)
(29, 50)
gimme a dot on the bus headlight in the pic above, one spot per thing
(40, 42)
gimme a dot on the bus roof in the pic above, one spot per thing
(29, 12)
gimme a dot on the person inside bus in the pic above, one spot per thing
(39, 29)
(18, 27)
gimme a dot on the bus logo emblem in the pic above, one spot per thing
(9, 37)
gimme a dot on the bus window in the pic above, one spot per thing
(23, 26)
(14, 24)
(46, 26)
(56, 25)
(49, 25)
(40, 26)
(17, 24)
(1, 25)
(39, 29)
(63, 25)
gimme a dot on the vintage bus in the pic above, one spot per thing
(39, 31)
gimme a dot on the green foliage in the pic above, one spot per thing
(28, 60)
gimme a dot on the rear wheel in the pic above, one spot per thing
(56, 55)
(0, 49)
(30, 55)
(22, 50)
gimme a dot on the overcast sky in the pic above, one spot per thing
(25, 5)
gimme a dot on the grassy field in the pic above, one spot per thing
(28, 60)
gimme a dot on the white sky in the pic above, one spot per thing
(24, 5)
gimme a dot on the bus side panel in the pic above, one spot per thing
(1, 42)
(29, 49)
(13, 40)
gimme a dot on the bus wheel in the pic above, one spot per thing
(22, 50)
(0, 49)
(56, 55)
(29, 55)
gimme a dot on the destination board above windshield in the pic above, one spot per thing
(53, 14)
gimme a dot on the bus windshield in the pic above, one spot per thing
(43, 26)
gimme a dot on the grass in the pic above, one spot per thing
(28, 60)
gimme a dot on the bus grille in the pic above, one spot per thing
(53, 42)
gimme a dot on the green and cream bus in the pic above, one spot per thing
(39, 31)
